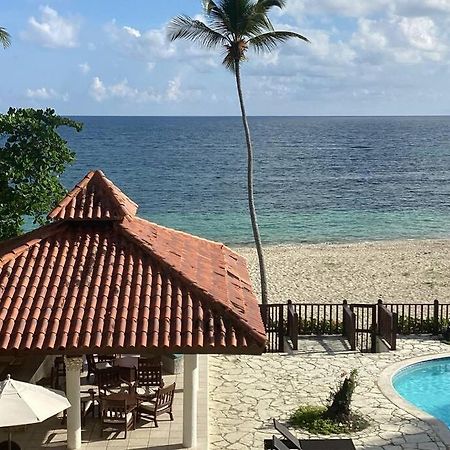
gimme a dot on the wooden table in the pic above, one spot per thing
(131, 398)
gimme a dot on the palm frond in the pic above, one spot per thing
(5, 38)
(268, 41)
(184, 27)
(266, 5)
(217, 16)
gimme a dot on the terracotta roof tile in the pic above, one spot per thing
(88, 283)
(93, 198)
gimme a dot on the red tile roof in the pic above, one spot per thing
(94, 197)
(92, 282)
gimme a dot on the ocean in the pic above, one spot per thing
(317, 179)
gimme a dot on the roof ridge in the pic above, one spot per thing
(108, 202)
(185, 233)
(226, 309)
(13, 247)
(115, 191)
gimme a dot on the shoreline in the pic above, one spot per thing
(409, 270)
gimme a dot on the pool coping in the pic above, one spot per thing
(387, 389)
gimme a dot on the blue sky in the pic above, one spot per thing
(367, 57)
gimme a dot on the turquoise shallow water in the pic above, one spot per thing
(316, 179)
(427, 386)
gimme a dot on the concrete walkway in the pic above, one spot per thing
(247, 391)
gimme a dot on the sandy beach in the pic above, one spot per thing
(410, 270)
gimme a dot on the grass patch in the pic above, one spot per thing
(311, 418)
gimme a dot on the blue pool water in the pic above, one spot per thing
(427, 386)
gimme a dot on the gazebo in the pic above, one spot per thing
(99, 279)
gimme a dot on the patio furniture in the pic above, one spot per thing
(287, 435)
(292, 443)
(58, 371)
(278, 445)
(117, 414)
(149, 377)
(24, 404)
(91, 369)
(87, 399)
(109, 381)
(162, 404)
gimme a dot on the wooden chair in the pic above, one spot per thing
(58, 371)
(109, 380)
(90, 360)
(117, 415)
(162, 404)
(148, 378)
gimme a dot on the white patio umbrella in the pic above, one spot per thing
(24, 403)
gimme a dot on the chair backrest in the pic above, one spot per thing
(108, 379)
(278, 445)
(106, 358)
(90, 362)
(113, 410)
(149, 375)
(60, 366)
(286, 434)
(164, 397)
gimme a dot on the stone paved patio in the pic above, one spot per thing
(247, 391)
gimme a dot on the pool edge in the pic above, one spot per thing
(387, 389)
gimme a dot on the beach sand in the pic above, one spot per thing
(410, 270)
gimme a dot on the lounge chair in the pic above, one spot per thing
(292, 443)
(287, 435)
(278, 445)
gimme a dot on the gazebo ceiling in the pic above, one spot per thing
(100, 279)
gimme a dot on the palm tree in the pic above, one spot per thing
(5, 38)
(237, 26)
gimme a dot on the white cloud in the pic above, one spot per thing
(404, 40)
(52, 30)
(122, 90)
(174, 92)
(148, 45)
(44, 93)
(132, 31)
(85, 68)
(97, 90)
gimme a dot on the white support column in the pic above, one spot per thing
(190, 398)
(73, 369)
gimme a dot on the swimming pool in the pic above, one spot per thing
(427, 386)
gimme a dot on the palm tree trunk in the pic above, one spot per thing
(251, 200)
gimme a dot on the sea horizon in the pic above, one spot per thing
(317, 179)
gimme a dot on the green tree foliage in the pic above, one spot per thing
(234, 27)
(32, 157)
(5, 38)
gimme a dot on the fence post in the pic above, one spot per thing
(394, 331)
(280, 328)
(343, 317)
(373, 331)
(436, 317)
(379, 303)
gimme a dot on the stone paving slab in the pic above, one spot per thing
(247, 391)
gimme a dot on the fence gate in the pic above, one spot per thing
(365, 326)
(274, 317)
